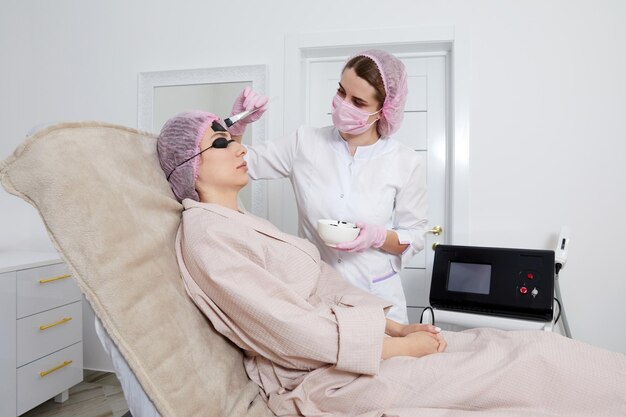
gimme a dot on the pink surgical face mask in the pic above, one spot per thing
(349, 119)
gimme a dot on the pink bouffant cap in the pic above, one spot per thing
(393, 73)
(178, 141)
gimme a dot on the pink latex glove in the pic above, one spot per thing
(247, 100)
(370, 235)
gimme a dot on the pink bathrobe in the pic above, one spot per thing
(313, 342)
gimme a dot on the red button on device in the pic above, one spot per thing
(523, 290)
(530, 276)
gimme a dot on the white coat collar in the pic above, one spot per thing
(366, 152)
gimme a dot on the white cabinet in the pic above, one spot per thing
(41, 354)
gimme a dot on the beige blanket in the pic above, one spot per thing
(313, 342)
(112, 217)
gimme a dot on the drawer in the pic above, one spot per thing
(46, 377)
(44, 288)
(43, 333)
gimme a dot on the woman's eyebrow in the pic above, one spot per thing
(220, 135)
(360, 101)
(357, 99)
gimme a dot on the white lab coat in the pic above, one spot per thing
(383, 183)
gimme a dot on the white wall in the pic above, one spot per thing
(548, 96)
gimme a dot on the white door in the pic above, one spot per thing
(423, 129)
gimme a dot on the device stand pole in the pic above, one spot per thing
(557, 291)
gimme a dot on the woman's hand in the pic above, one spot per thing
(413, 328)
(415, 340)
(426, 341)
(370, 236)
(247, 100)
(395, 329)
(416, 344)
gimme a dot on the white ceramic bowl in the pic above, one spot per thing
(335, 231)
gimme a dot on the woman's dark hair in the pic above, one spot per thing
(365, 68)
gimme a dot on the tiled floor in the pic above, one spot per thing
(99, 395)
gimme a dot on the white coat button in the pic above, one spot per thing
(340, 195)
(339, 260)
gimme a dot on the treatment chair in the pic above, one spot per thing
(112, 217)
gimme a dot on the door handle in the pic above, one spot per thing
(436, 230)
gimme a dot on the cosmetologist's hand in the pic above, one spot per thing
(247, 100)
(370, 236)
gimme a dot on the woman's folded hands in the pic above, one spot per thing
(415, 340)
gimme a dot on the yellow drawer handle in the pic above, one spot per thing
(56, 368)
(63, 320)
(47, 280)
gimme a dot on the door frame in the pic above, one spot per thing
(450, 39)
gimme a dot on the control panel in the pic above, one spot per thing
(516, 283)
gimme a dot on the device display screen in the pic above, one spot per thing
(468, 277)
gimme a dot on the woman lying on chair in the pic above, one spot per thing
(316, 345)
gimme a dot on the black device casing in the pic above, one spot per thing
(521, 284)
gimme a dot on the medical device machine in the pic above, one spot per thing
(505, 288)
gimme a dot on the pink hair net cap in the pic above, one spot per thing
(394, 77)
(179, 140)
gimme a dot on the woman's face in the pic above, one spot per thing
(221, 168)
(358, 92)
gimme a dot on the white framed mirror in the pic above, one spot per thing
(163, 94)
